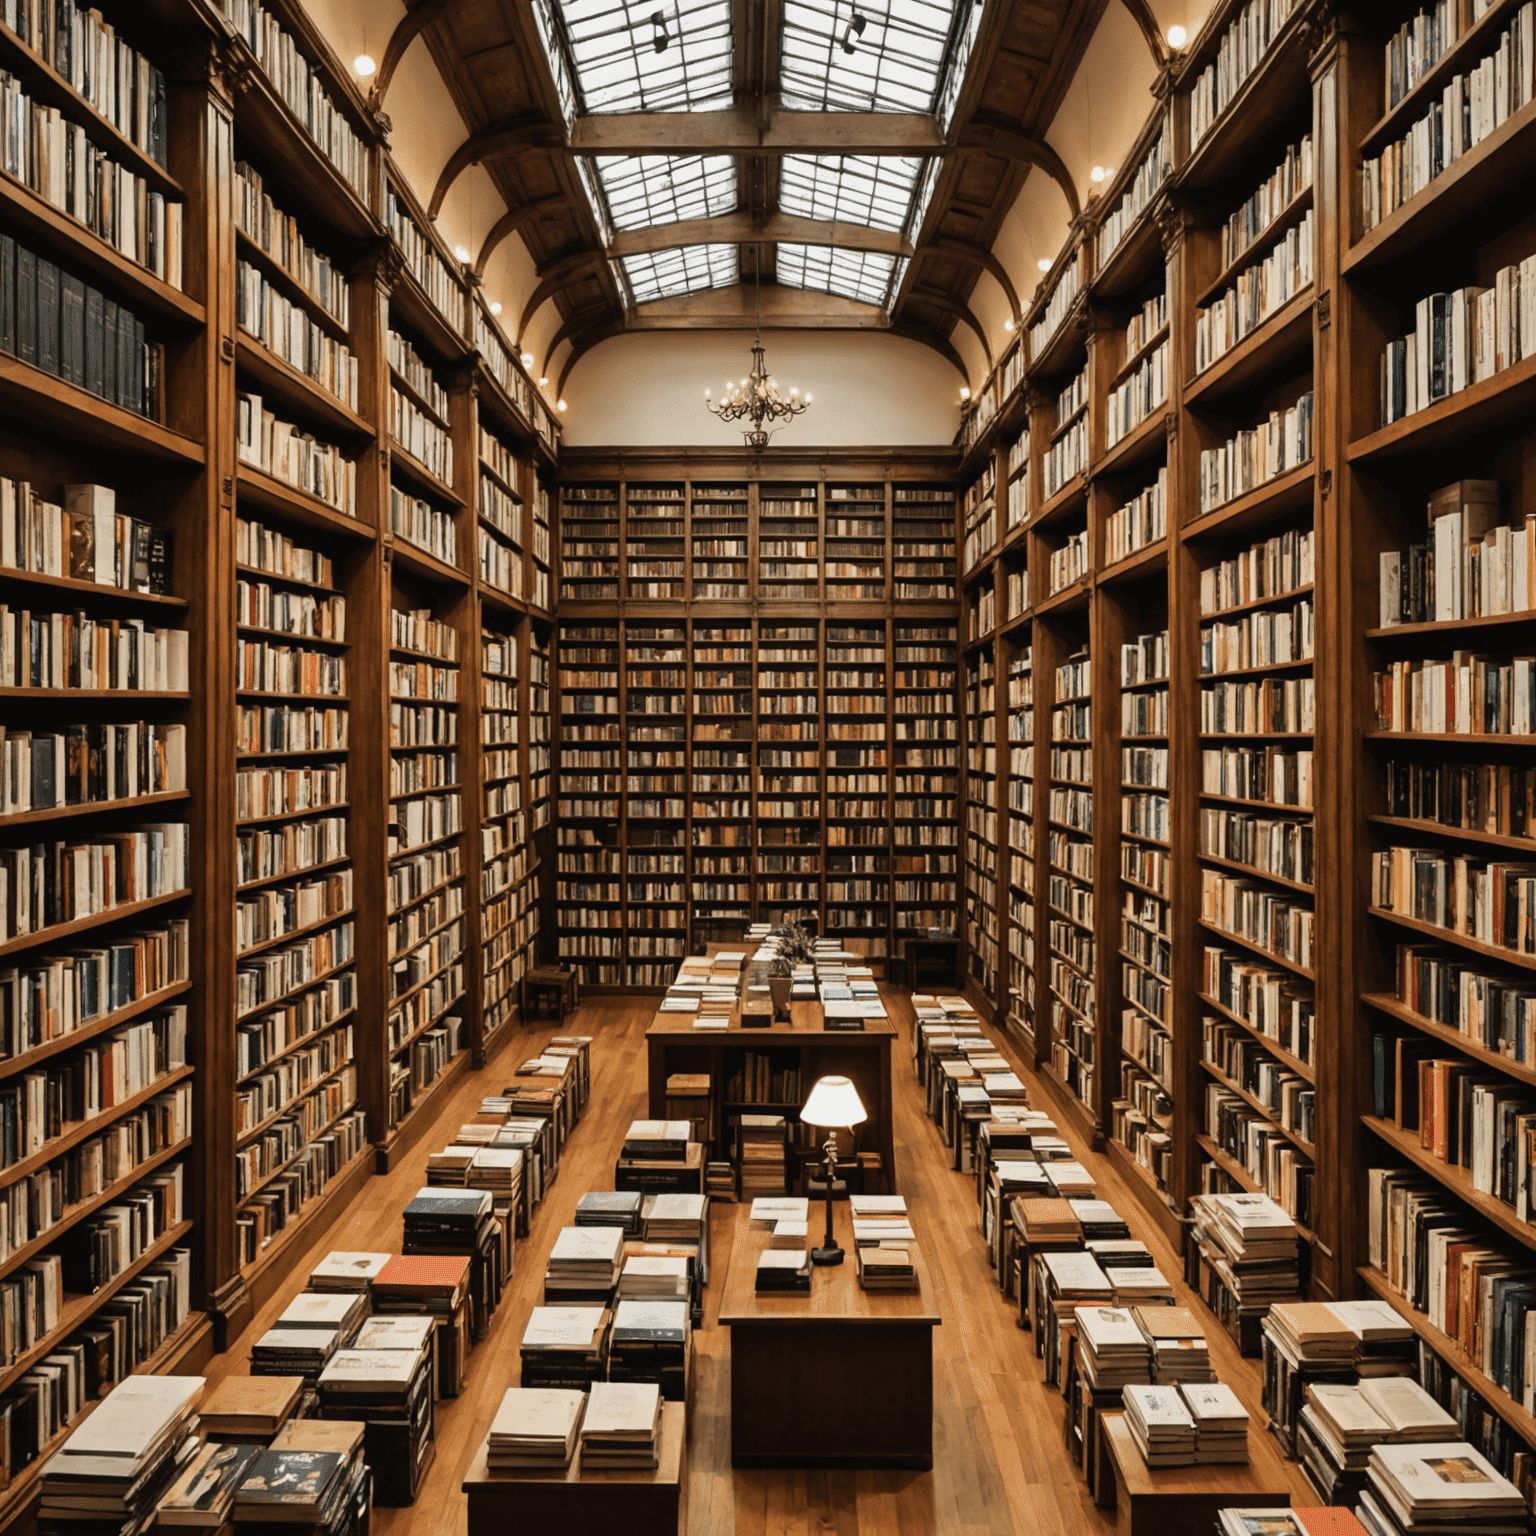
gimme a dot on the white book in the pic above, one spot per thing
(645, 1315)
(356, 1269)
(538, 1413)
(587, 1245)
(563, 1326)
(768, 1210)
(1159, 1407)
(1407, 1408)
(383, 1370)
(1213, 1405)
(622, 1408)
(403, 1333)
(1109, 1328)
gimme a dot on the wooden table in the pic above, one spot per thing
(674, 1045)
(842, 1377)
(1152, 1501)
(577, 1503)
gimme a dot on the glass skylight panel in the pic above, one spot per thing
(896, 62)
(875, 190)
(609, 47)
(684, 269)
(642, 190)
(869, 276)
(549, 35)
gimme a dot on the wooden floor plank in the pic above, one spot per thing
(1000, 1468)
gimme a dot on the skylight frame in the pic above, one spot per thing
(876, 191)
(630, 192)
(605, 50)
(868, 277)
(678, 270)
(909, 58)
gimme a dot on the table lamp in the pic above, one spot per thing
(835, 1105)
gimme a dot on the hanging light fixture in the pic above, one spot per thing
(756, 398)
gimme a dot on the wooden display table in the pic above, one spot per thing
(1152, 1501)
(547, 987)
(842, 1377)
(674, 1045)
(578, 1503)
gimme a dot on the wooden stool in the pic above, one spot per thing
(546, 986)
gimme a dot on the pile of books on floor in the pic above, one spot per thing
(667, 1218)
(434, 1286)
(611, 1208)
(313, 1474)
(1249, 1246)
(622, 1426)
(1047, 1220)
(584, 1264)
(115, 1467)
(1340, 1424)
(341, 1271)
(499, 1172)
(650, 1341)
(654, 1277)
(1442, 1487)
(456, 1221)
(764, 1157)
(784, 1270)
(449, 1168)
(565, 1347)
(720, 1180)
(249, 1407)
(535, 1427)
(1187, 1425)
(301, 1351)
(1112, 1349)
(384, 1382)
(657, 1140)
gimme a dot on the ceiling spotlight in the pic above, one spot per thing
(543, 380)
(495, 308)
(363, 65)
(965, 393)
(1008, 326)
(854, 29)
(1044, 263)
(527, 359)
(1177, 37)
(560, 405)
(658, 32)
(1098, 173)
(462, 252)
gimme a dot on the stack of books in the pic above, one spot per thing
(1139, 1283)
(449, 1169)
(689, 1098)
(203, 1493)
(413, 1334)
(347, 1272)
(784, 1270)
(720, 1181)
(1099, 1220)
(300, 1487)
(880, 1219)
(1069, 1180)
(498, 1171)
(294, 1352)
(655, 1277)
(1048, 1221)
(1288, 1522)
(1442, 1487)
(453, 1221)
(114, 1468)
(622, 1427)
(340, 1311)
(768, 1211)
(1121, 1253)
(435, 1286)
(565, 1347)
(1114, 1351)
(1340, 1424)
(335, 1437)
(764, 1160)
(584, 1264)
(250, 1407)
(1074, 1279)
(790, 1234)
(389, 1391)
(535, 1427)
(1221, 1423)
(611, 1208)
(1252, 1245)
(658, 1140)
(674, 1218)
(1161, 1425)
(887, 1266)
(1178, 1344)
(650, 1342)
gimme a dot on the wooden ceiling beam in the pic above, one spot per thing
(509, 224)
(1009, 143)
(410, 26)
(741, 229)
(738, 131)
(734, 309)
(553, 276)
(975, 256)
(960, 311)
(499, 142)
(1157, 44)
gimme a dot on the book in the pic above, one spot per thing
(250, 1405)
(535, 1427)
(204, 1493)
(290, 1486)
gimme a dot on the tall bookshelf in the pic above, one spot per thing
(244, 444)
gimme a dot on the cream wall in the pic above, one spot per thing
(646, 389)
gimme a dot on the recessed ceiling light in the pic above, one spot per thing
(495, 309)
(1098, 173)
(965, 393)
(363, 65)
(1177, 37)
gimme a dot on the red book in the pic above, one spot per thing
(1328, 1522)
(425, 1274)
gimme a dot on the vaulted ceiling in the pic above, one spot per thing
(681, 163)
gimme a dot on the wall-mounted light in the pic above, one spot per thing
(543, 381)
(1044, 263)
(1008, 326)
(363, 65)
(1177, 37)
(659, 32)
(560, 405)
(965, 393)
(1098, 173)
(495, 308)
(854, 29)
(527, 359)
(462, 252)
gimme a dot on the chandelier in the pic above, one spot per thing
(756, 398)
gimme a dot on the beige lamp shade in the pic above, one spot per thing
(835, 1103)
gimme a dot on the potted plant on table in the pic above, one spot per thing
(796, 947)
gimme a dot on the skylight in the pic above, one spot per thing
(868, 55)
(875, 190)
(870, 276)
(684, 269)
(609, 50)
(637, 191)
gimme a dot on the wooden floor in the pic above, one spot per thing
(999, 1465)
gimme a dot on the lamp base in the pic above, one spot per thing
(827, 1256)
